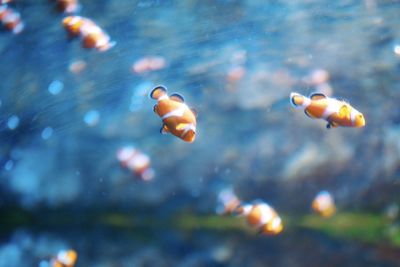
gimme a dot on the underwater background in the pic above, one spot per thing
(66, 110)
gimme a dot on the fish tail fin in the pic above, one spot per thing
(296, 99)
(106, 46)
(158, 92)
(240, 210)
(18, 28)
(73, 8)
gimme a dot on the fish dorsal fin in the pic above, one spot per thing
(177, 98)
(158, 92)
(309, 114)
(317, 96)
(194, 111)
(164, 129)
(344, 111)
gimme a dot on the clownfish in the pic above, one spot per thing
(136, 161)
(227, 202)
(92, 35)
(178, 119)
(64, 258)
(323, 204)
(11, 19)
(335, 112)
(262, 217)
(68, 6)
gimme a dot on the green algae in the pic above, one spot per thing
(365, 227)
(190, 222)
(358, 226)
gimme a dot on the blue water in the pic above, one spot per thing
(60, 130)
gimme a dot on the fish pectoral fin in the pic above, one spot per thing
(155, 109)
(317, 96)
(164, 129)
(344, 112)
(309, 114)
(177, 98)
(331, 124)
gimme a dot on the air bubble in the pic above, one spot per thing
(47, 133)
(13, 122)
(91, 117)
(55, 87)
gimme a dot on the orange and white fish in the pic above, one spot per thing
(178, 119)
(147, 64)
(64, 258)
(227, 202)
(68, 6)
(335, 112)
(324, 204)
(92, 35)
(136, 161)
(11, 19)
(261, 216)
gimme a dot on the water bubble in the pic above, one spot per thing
(55, 87)
(91, 117)
(396, 49)
(47, 133)
(9, 165)
(13, 122)
(77, 66)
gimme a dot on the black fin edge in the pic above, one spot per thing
(292, 101)
(316, 94)
(308, 115)
(178, 96)
(156, 88)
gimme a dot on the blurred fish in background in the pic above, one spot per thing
(64, 258)
(261, 216)
(92, 35)
(227, 201)
(135, 161)
(324, 204)
(68, 6)
(11, 19)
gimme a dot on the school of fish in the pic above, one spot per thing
(180, 120)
